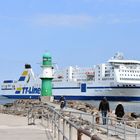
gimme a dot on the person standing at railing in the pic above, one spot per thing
(104, 108)
(119, 112)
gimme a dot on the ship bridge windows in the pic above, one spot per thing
(107, 75)
(107, 79)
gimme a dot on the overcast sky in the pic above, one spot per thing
(75, 32)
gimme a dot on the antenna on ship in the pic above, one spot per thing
(118, 56)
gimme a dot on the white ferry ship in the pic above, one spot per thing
(118, 79)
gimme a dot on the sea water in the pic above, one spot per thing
(128, 106)
(4, 100)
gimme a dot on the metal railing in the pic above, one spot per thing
(113, 126)
(59, 127)
(63, 124)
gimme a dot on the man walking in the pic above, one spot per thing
(104, 108)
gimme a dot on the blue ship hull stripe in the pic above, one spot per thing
(111, 98)
(97, 87)
(22, 96)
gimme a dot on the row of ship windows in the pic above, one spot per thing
(130, 79)
(106, 75)
(133, 71)
(130, 75)
(126, 85)
(106, 79)
(8, 86)
(109, 71)
(111, 68)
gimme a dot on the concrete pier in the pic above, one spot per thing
(17, 128)
(14, 127)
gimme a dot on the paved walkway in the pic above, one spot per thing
(16, 128)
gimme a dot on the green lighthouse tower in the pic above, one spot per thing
(47, 75)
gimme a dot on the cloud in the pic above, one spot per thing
(116, 19)
(62, 20)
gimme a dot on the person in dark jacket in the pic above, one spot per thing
(104, 108)
(119, 112)
(62, 102)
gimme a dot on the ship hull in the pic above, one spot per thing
(97, 93)
(91, 93)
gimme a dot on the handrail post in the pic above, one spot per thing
(58, 127)
(107, 121)
(52, 121)
(55, 125)
(63, 129)
(70, 132)
(79, 135)
(28, 116)
(135, 130)
(93, 123)
(124, 130)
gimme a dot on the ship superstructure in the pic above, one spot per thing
(118, 79)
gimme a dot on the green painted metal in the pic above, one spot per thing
(46, 89)
(47, 60)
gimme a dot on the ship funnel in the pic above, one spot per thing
(27, 66)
